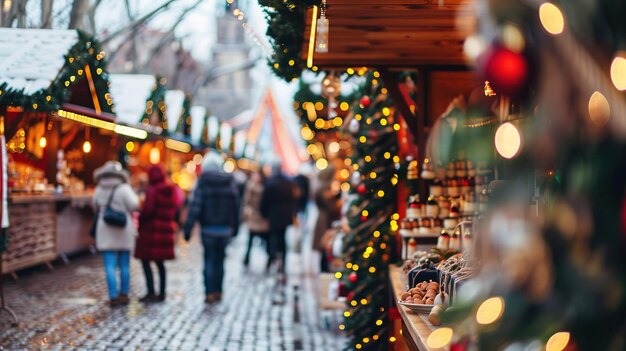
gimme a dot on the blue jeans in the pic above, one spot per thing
(214, 255)
(112, 260)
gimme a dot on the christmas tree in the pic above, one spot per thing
(156, 108)
(555, 278)
(183, 127)
(369, 247)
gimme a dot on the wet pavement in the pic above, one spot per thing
(67, 309)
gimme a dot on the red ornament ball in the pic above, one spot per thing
(506, 70)
(361, 189)
(366, 101)
(363, 218)
(352, 278)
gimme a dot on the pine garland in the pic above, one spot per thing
(286, 24)
(156, 105)
(369, 247)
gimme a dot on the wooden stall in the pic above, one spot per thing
(58, 120)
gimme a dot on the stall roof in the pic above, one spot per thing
(31, 59)
(390, 33)
(130, 92)
(174, 100)
(197, 122)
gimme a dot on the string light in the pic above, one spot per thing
(558, 341)
(490, 310)
(439, 338)
(551, 18)
(338, 275)
(599, 108)
(508, 140)
(618, 71)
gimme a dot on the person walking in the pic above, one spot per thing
(157, 229)
(278, 205)
(115, 241)
(258, 226)
(328, 203)
(215, 206)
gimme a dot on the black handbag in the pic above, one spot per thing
(113, 217)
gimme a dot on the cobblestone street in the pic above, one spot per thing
(67, 309)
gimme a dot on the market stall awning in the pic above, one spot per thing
(42, 69)
(389, 33)
(130, 92)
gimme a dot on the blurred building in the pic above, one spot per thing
(229, 91)
(155, 52)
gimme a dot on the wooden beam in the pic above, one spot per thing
(391, 83)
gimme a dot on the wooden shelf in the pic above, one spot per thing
(415, 326)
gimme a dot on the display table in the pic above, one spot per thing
(415, 326)
(46, 226)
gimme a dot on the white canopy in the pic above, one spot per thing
(30, 59)
(129, 93)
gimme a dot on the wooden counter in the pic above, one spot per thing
(46, 226)
(415, 326)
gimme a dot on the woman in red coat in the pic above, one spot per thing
(157, 228)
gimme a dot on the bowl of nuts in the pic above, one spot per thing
(420, 298)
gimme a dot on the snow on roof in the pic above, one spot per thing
(129, 93)
(174, 100)
(30, 59)
(197, 122)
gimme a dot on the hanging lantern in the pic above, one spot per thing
(321, 45)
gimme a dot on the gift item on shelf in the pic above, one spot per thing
(428, 172)
(443, 242)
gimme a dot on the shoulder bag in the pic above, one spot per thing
(113, 217)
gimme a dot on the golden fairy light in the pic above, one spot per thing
(513, 38)
(439, 338)
(551, 18)
(618, 71)
(599, 108)
(558, 341)
(43, 142)
(321, 164)
(488, 90)
(508, 140)
(490, 310)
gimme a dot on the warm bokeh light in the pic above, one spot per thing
(508, 140)
(130, 146)
(229, 165)
(473, 47)
(618, 71)
(490, 310)
(513, 38)
(599, 108)
(558, 341)
(43, 142)
(197, 158)
(321, 164)
(344, 106)
(311, 149)
(551, 18)
(333, 147)
(87, 147)
(306, 133)
(439, 338)
(155, 156)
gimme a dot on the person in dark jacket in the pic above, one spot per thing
(278, 205)
(304, 193)
(157, 229)
(215, 206)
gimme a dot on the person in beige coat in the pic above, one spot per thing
(258, 225)
(115, 243)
